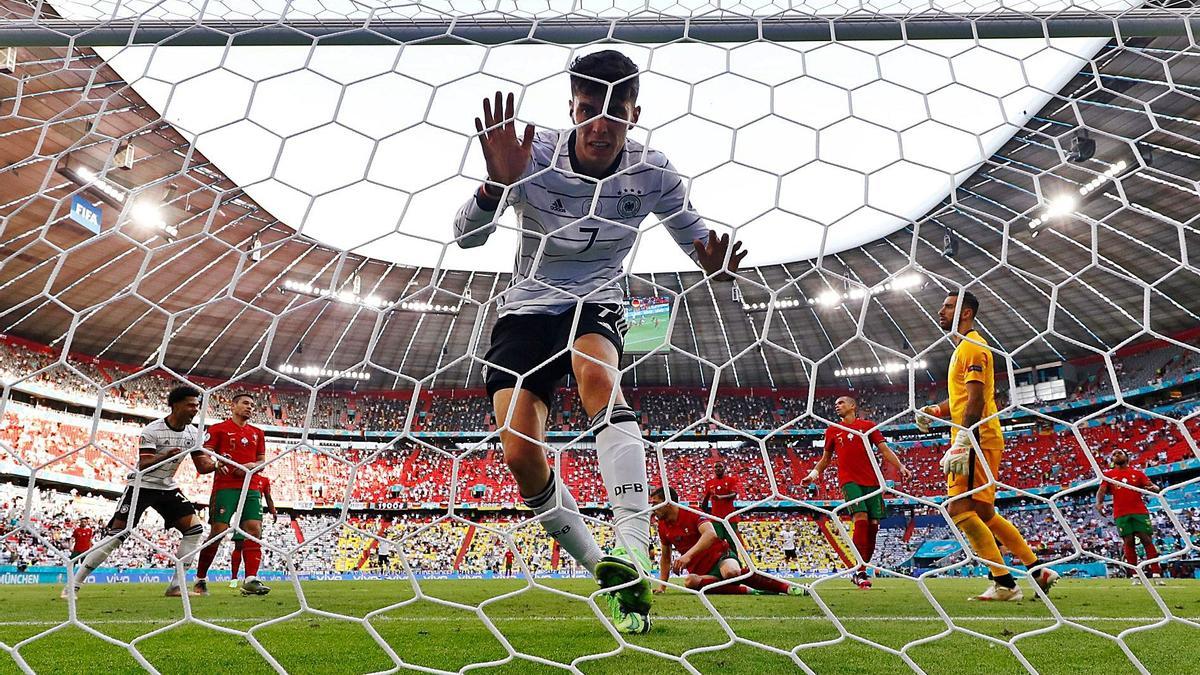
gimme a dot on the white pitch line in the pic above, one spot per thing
(452, 619)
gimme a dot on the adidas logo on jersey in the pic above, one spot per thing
(557, 206)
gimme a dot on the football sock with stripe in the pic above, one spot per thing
(563, 522)
(187, 546)
(621, 454)
(96, 557)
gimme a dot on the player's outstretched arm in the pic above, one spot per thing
(708, 537)
(1100, 493)
(505, 155)
(925, 415)
(507, 159)
(203, 463)
(148, 457)
(711, 254)
(890, 457)
(822, 464)
(958, 458)
(664, 564)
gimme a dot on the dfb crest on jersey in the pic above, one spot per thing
(629, 205)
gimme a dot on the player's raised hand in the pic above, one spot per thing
(506, 155)
(710, 253)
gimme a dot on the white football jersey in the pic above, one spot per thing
(158, 437)
(589, 227)
(789, 539)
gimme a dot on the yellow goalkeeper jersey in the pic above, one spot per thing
(972, 362)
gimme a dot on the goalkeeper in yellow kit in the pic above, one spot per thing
(970, 484)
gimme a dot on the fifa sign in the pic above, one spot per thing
(86, 214)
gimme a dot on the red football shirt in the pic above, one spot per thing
(261, 483)
(82, 539)
(242, 444)
(852, 462)
(683, 534)
(1125, 501)
(723, 486)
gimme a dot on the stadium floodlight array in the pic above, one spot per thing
(109, 188)
(1065, 204)
(901, 283)
(316, 372)
(348, 297)
(856, 120)
(885, 368)
(782, 303)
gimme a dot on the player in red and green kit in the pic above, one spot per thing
(857, 476)
(707, 555)
(720, 493)
(236, 441)
(1129, 510)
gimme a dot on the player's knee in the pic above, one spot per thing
(692, 581)
(594, 378)
(985, 511)
(524, 458)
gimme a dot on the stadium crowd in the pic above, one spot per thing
(68, 448)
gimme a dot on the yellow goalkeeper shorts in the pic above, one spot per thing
(957, 484)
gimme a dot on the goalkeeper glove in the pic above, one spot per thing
(925, 417)
(957, 459)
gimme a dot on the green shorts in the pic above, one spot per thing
(225, 502)
(872, 506)
(1132, 523)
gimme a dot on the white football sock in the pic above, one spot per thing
(187, 546)
(96, 557)
(563, 522)
(621, 454)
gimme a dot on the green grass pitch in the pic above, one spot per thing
(543, 624)
(647, 337)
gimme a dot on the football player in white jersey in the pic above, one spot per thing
(163, 446)
(579, 197)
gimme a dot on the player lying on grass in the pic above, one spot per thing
(970, 484)
(857, 475)
(1129, 511)
(707, 552)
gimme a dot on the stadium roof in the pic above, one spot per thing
(1121, 264)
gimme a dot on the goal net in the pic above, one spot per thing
(261, 198)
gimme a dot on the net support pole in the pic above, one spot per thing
(580, 30)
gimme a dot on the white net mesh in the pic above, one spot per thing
(260, 198)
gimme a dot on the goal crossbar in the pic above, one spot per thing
(581, 30)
